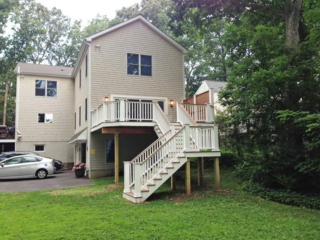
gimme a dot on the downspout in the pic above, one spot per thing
(89, 108)
(17, 110)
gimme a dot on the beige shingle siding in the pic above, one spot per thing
(109, 65)
(61, 130)
(80, 95)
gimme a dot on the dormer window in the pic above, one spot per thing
(139, 64)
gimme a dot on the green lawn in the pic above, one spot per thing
(100, 212)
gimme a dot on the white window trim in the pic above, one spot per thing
(45, 89)
(140, 65)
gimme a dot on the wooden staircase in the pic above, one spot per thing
(158, 162)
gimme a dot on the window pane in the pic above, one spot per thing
(146, 71)
(40, 83)
(110, 150)
(29, 159)
(39, 148)
(133, 69)
(49, 118)
(146, 60)
(13, 161)
(40, 92)
(51, 92)
(41, 117)
(133, 58)
(51, 89)
(52, 84)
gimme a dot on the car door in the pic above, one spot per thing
(10, 167)
(29, 166)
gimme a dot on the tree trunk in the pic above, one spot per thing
(292, 17)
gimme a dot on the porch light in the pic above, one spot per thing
(171, 103)
(106, 98)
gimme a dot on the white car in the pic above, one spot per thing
(27, 166)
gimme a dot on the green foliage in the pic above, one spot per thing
(231, 214)
(284, 196)
(267, 79)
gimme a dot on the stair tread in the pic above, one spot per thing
(131, 194)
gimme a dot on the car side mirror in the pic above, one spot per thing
(2, 164)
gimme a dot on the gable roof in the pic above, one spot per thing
(141, 18)
(211, 84)
(87, 40)
(43, 70)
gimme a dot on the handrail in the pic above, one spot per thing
(189, 116)
(193, 104)
(160, 159)
(196, 111)
(150, 146)
(162, 113)
(163, 144)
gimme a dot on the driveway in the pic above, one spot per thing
(62, 179)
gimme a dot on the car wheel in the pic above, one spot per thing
(41, 174)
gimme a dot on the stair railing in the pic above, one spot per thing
(140, 173)
(204, 137)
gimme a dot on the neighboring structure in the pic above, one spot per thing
(208, 93)
(44, 103)
(120, 109)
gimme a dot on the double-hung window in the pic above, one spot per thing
(46, 88)
(139, 64)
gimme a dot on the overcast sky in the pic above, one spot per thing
(86, 10)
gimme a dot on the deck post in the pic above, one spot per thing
(187, 137)
(216, 137)
(202, 165)
(200, 173)
(116, 158)
(173, 182)
(188, 177)
(122, 110)
(216, 174)
(209, 113)
(126, 176)
(137, 182)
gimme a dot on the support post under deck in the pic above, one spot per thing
(216, 174)
(116, 158)
(173, 182)
(188, 178)
(200, 171)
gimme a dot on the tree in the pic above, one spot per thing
(273, 59)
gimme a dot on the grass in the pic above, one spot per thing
(100, 212)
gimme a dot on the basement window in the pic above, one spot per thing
(45, 118)
(39, 148)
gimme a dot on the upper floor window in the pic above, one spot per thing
(139, 64)
(46, 88)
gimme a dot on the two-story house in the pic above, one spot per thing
(119, 109)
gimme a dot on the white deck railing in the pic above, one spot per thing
(143, 168)
(199, 112)
(123, 111)
(204, 137)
